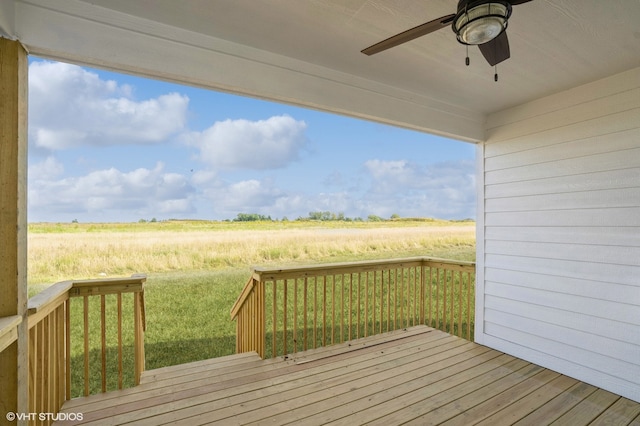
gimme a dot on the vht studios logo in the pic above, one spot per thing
(55, 417)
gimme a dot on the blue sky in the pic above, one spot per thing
(107, 147)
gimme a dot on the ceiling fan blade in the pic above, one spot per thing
(496, 50)
(515, 2)
(409, 35)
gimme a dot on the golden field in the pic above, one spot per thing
(77, 251)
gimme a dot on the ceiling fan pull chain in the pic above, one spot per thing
(466, 61)
(495, 76)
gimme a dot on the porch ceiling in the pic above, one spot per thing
(307, 52)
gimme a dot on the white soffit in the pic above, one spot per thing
(307, 52)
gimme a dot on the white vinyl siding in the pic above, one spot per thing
(559, 237)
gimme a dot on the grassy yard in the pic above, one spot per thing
(197, 269)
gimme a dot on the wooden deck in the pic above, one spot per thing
(417, 376)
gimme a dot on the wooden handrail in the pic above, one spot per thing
(49, 299)
(9, 330)
(108, 286)
(359, 266)
(304, 307)
(246, 291)
(50, 336)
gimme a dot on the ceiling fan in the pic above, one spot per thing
(476, 22)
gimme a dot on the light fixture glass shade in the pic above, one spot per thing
(481, 23)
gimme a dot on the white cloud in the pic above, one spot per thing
(335, 178)
(46, 170)
(70, 107)
(247, 196)
(443, 190)
(144, 191)
(238, 144)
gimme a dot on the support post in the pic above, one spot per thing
(14, 359)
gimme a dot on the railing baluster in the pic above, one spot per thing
(366, 305)
(342, 282)
(47, 363)
(333, 309)
(350, 311)
(413, 280)
(33, 369)
(304, 303)
(119, 310)
(67, 311)
(453, 287)
(357, 307)
(437, 299)
(400, 277)
(406, 277)
(50, 353)
(421, 305)
(324, 310)
(418, 294)
(103, 342)
(284, 317)
(470, 302)
(42, 378)
(55, 349)
(395, 298)
(251, 320)
(275, 320)
(263, 325)
(388, 299)
(460, 302)
(137, 326)
(86, 344)
(373, 308)
(430, 296)
(315, 312)
(381, 300)
(295, 314)
(60, 343)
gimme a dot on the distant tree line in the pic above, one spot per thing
(251, 217)
(328, 216)
(315, 216)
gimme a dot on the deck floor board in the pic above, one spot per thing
(415, 376)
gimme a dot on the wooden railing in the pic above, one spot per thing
(67, 318)
(9, 330)
(293, 309)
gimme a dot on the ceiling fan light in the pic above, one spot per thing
(482, 23)
(481, 30)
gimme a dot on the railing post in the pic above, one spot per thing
(14, 358)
